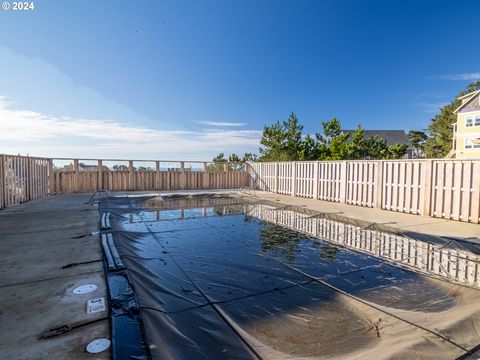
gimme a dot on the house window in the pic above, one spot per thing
(477, 121)
(469, 122)
(469, 144)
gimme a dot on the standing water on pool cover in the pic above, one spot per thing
(220, 279)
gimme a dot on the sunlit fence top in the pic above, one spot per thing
(70, 164)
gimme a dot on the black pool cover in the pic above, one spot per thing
(203, 278)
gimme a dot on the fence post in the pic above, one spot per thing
(3, 187)
(294, 178)
(226, 178)
(100, 174)
(275, 179)
(28, 174)
(157, 175)
(76, 174)
(28, 184)
(259, 178)
(205, 177)
(51, 177)
(343, 182)
(426, 184)
(130, 175)
(475, 206)
(182, 177)
(315, 179)
(378, 186)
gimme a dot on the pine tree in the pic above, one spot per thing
(417, 139)
(282, 141)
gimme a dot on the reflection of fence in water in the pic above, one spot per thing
(156, 215)
(456, 265)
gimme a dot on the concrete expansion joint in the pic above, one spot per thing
(60, 330)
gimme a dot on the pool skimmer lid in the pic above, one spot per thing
(98, 345)
(84, 289)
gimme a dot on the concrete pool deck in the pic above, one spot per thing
(38, 238)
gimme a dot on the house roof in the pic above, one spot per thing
(391, 136)
(468, 95)
(472, 96)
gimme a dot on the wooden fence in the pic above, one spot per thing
(89, 181)
(22, 179)
(132, 179)
(454, 264)
(447, 189)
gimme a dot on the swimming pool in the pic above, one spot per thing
(219, 277)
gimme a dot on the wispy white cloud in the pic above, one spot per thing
(221, 123)
(464, 76)
(431, 107)
(24, 131)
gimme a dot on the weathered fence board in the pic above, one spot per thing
(88, 181)
(328, 181)
(455, 190)
(447, 189)
(22, 179)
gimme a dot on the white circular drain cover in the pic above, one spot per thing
(98, 345)
(84, 289)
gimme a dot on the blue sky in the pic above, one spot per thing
(188, 79)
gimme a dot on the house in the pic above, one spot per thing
(392, 137)
(466, 131)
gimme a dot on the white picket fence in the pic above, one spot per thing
(454, 264)
(447, 188)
